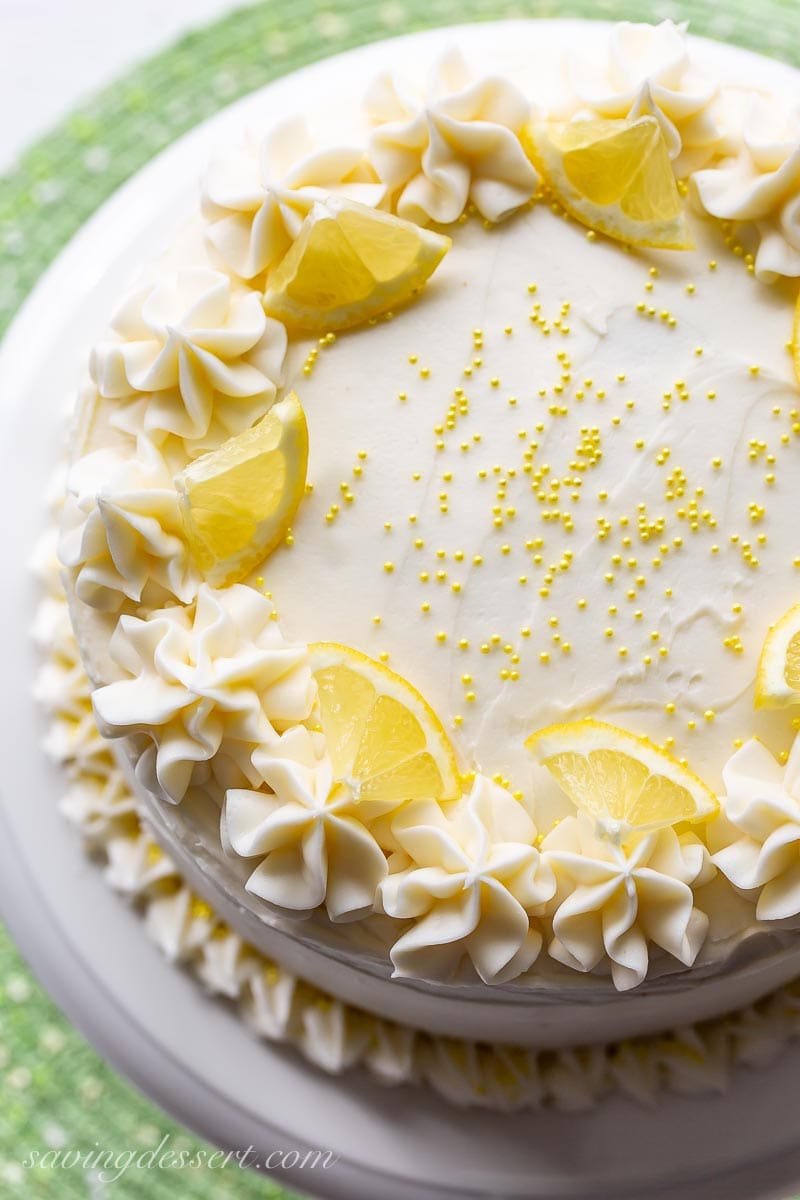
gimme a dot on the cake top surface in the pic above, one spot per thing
(555, 486)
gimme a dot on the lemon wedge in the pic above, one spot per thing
(349, 263)
(614, 176)
(778, 677)
(385, 742)
(238, 502)
(624, 782)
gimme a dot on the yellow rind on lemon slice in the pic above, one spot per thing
(349, 263)
(625, 783)
(385, 742)
(778, 676)
(239, 501)
(614, 176)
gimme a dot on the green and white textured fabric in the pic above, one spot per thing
(54, 1091)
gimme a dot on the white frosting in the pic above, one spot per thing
(457, 143)
(706, 652)
(178, 924)
(136, 866)
(122, 533)
(335, 1037)
(616, 900)
(647, 70)
(761, 183)
(226, 963)
(760, 829)
(190, 355)
(544, 470)
(208, 683)
(256, 196)
(98, 803)
(470, 879)
(180, 363)
(312, 844)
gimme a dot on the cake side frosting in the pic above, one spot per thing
(603, 438)
(281, 1008)
(278, 1007)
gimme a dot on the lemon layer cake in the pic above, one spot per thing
(430, 538)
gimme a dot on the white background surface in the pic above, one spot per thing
(53, 52)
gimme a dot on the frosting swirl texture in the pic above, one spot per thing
(256, 197)
(647, 71)
(761, 829)
(761, 184)
(313, 847)
(198, 350)
(122, 533)
(459, 142)
(470, 881)
(206, 684)
(613, 901)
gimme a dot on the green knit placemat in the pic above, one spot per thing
(54, 1091)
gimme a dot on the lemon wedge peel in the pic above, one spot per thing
(614, 176)
(625, 783)
(385, 742)
(238, 502)
(350, 263)
(778, 674)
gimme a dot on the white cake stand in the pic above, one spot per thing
(191, 1054)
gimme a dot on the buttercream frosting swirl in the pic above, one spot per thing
(313, 847)
(207, 684)
(761, 183)
(470, 880)
(179, 923)
(615, 900)
(136, 866)
(256, 196)
(98, 804)
(760, 829)
(122, 534)
(459, 142)
(647, 70)
(194, 351)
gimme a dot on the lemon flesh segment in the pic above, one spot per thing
(778, 677)
(349, 263)
(238, 502)
(624, 782)
(614, 176)
(385, 742)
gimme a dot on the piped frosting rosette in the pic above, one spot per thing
(256, 197)
(190, 357)
(100, 806)
(647, 70)
(614, 900)
(757, 839)
(458, 143)
(759, 184)
(122, 532)
(205, 683)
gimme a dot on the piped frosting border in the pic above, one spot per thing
(193, 358)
